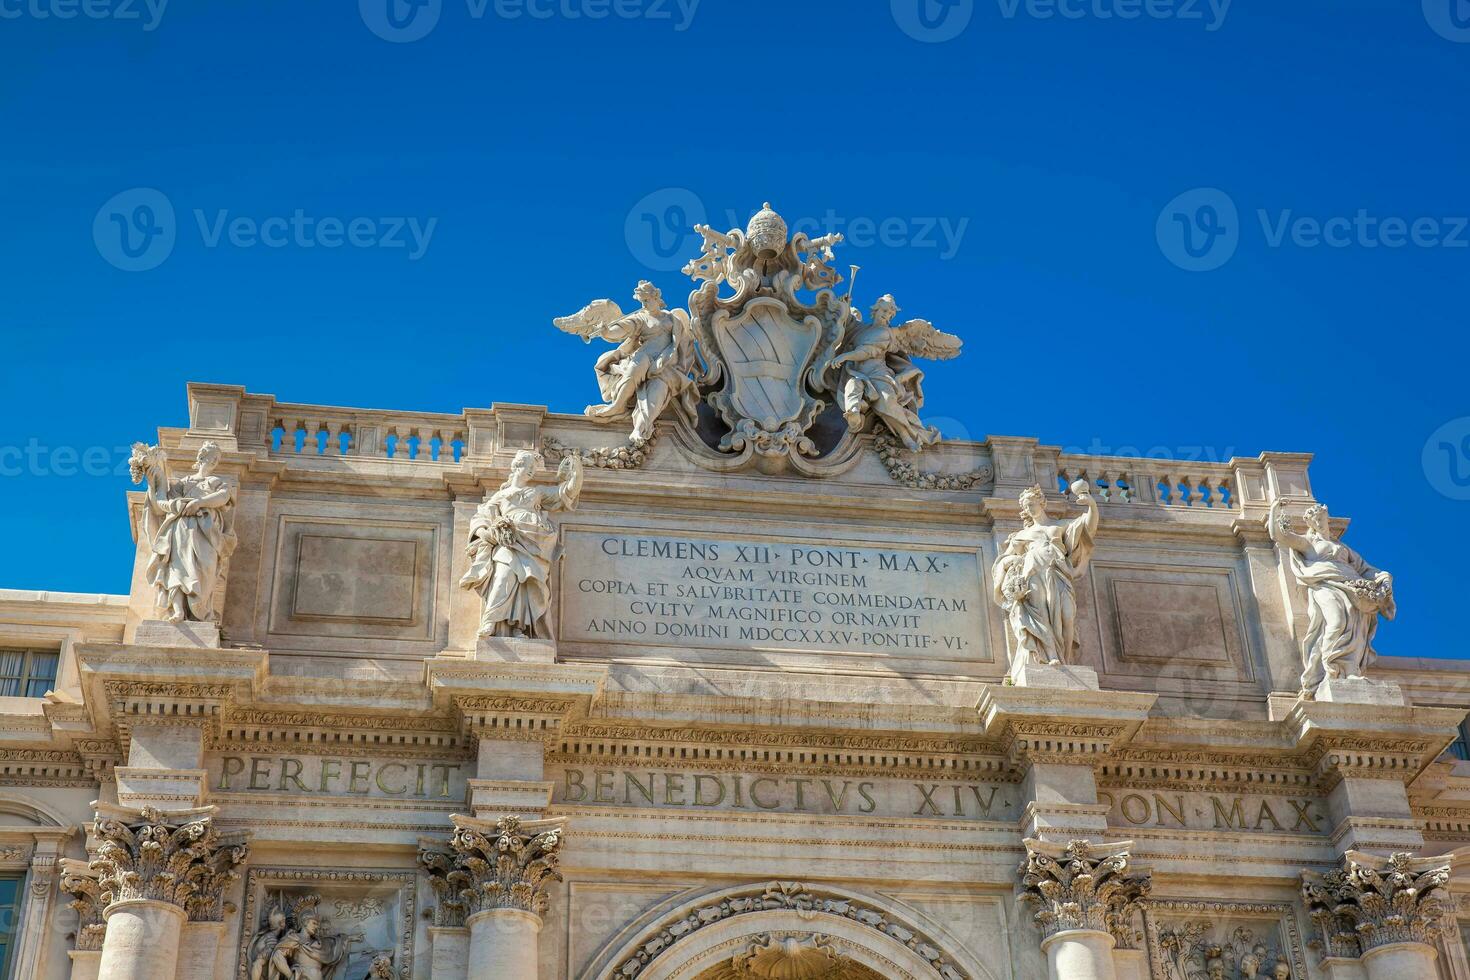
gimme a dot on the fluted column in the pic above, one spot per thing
(1384, 912)
(493, 879)
(1082, 895)
(154, 869)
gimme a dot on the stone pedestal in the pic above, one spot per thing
(503, 944)
(85, 963)
(160, 633)
(1079, 954)
(1361, 690)
(1073, 677)
(142, 940)
(503, 649)
(1401, 961)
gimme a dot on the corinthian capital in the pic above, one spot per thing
(1373, 901)
(87, 900)
(173, 856)
(1082, 886)
(504, 864)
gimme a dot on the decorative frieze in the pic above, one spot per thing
(502, 865)
(1374, 901)
(1081, 885)
(173, 856)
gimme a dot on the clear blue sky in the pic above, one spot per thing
(1023, 169)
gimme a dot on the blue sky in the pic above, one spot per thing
(1033, 166)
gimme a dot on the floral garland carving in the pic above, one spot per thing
(629, 456)
(903, 470)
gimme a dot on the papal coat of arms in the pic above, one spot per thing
(770, 367)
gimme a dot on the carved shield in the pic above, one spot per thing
(766, 354)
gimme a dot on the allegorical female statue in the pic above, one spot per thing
(189, 526)
(1345, 597)
(512, 541)
(651, 365)
(1036, 574)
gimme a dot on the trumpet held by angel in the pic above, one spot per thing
(652, 364)
(877, 374)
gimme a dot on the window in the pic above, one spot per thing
(1460, 747)
(27, 674)
(9, 911)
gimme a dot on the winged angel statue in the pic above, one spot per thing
(768, 344)
(650, 367)
(878, 372)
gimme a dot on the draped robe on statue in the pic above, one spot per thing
(187, 550)
(1035, 582)
(511, 567)
(1342, 617)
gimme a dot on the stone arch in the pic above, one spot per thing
(31, 811)
(692, 936)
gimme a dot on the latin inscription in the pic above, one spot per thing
(312, 776)
(1214, 811)
(831, 795)
(724, 594)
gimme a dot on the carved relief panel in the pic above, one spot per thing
(327, 924)
(1207, 940)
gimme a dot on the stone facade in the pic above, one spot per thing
(756, 678)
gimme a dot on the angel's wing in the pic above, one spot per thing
(919, 338)
(591, 320)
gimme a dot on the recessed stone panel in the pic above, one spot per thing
(343, 577)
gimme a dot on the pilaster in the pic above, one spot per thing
(1084, 898)
(1056, 737)
(492, 879)
(1382, 913)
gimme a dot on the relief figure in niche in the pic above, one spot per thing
(512, 542)
(1036, 575)
(188, 525)
(1345, 597)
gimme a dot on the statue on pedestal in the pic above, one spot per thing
(512, 542)
(1036, 574)
(651, 366)
(188, 525)
(1345, 597)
